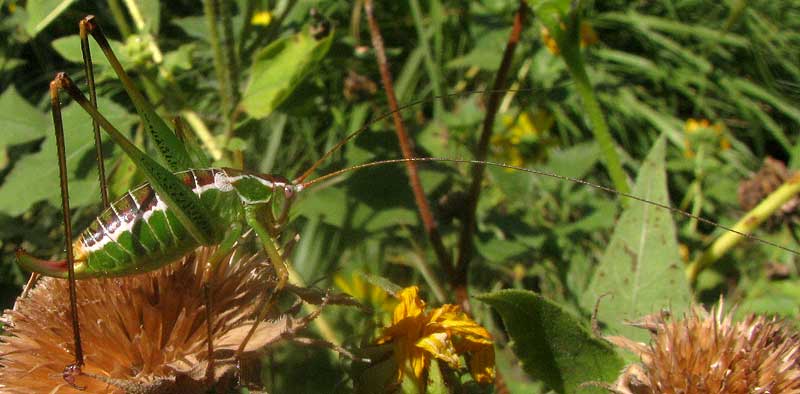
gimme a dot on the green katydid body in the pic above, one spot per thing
(140, 233)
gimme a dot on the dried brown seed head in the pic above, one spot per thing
(146, 333)
(709, 353)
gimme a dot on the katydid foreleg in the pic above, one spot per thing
(254, 215)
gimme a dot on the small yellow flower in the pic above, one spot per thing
(261, 18)
(524, 137)
(549, 41)
(587, 33)
(702, 132)
(444, 334)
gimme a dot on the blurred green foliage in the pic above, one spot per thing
(653, 67)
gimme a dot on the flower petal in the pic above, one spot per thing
(440, 346)
(410, 304)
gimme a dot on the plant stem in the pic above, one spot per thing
(203, 133)
(119, 18)
(466, 247)
(229, 48)
(569, 43)
(745, 225)
(433, 70)
(210, 11)
(431, 227)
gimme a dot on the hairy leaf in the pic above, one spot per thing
(552, 345)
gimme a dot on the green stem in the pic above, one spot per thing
(746, 225)
(119, 18)
(569, 43)
(433, 71)
(418, 262)
(210, 11)
(229, 48)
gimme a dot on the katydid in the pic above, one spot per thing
(181, 207)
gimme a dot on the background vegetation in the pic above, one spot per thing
(707, 89)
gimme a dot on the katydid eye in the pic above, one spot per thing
(288, 191)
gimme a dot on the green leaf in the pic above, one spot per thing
(551, 12)
(552, 344)
(278, 69)
(42, 12)
(641, 269)
(384, 283)
(35, 177)
(20, 122)
(69, 48)
(151, 14)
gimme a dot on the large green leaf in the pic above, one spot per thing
(42, 12)
(35, 177)
(552, 344)
(278, 69)
(641, 269)
(20, 122)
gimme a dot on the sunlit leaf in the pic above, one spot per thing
(552, 345)
(69, 48)
(35, 177)
(42, 12)
(641, 271)
(278, 69)
(20, 122)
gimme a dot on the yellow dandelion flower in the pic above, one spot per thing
(444, 334)
(261, 18)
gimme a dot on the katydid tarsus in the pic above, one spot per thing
(181, 207)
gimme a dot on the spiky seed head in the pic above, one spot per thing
(707, 352)
(142, 333)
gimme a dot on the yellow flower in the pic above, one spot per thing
(702, 132)
(261, 18)
(444, 334)
(524, 137)
(588, 37)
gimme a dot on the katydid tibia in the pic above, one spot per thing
(181, 207)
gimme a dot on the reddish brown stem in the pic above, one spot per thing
(466, 248)
(431, 227)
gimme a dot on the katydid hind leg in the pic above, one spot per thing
(98, 142)
(182, 200)
(172, 151)
(72, 371)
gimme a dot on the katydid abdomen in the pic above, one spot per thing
(140, 233)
